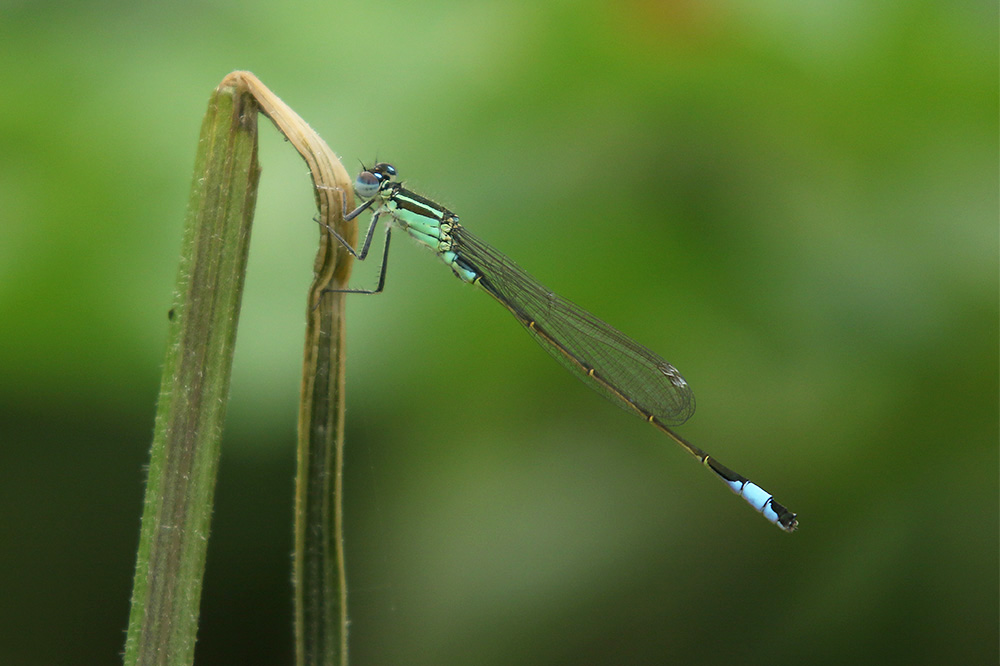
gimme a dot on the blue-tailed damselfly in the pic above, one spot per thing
(617, 367)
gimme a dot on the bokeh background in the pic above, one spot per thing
(794, 203)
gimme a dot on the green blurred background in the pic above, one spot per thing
(795, 203)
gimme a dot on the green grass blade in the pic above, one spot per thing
(195, 386)
(320, 579)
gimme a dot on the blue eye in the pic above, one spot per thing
(366, 185)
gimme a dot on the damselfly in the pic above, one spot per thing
(617, 367)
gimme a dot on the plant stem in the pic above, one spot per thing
(195, 388)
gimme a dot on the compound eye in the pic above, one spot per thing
(366, 184)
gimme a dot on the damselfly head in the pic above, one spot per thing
(369, 181)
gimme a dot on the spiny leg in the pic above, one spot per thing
(348, 216)
(381, 271)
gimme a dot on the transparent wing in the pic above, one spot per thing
(614, 365)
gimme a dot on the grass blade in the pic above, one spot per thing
(195, 386)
